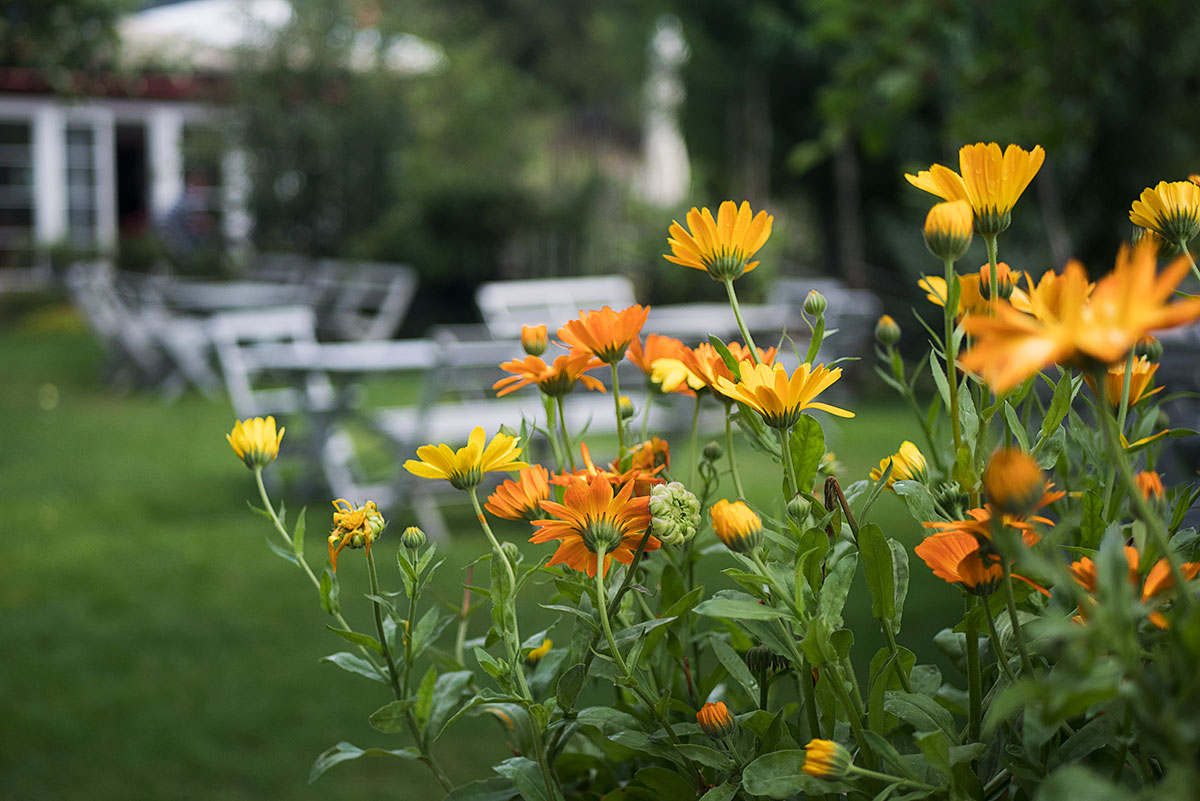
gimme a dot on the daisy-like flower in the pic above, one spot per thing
(736, 525)
(970, 299)
(956, 558)
(554, 380)
(592, 519)
(521, 499)
(948, 228)
(990, 181)
(908, 464)
(1158, 581)
(604, 333)
(826, 759)
(1125, 305)
(715, 720)
(980, 520)
(1171, 210)
(779, 399)
(706, 363)
(1140, 380)
(255, 441)
(657, 347)
(464, 468)
(642, 474)
(353, 528)
(1014, 482)
(673, 375)
(723, 247)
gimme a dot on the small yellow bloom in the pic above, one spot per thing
(1140, 380)
(353, 528)
(535, 655)
(991, 181)
(826, 759)
(1013, 481)
(1171, 210)
(723, 247)
(736, 525)
(465, 467)
(780, 400)
(948, 229)
(534, 339)
(908, 464)
(255, 441)
(715, 720)
(970, 298)
(672, 375)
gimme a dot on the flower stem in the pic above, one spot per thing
(737, 313)
(974, 677)
(733, 467)
(789, 469)
(616, 390)
(566, 440)
(1011, 603)
(887, 779)
(694, 456)
(952, 354)
(1122, 412)
(990, 241)
(383, 641)
(1001, 658)
(1183, 246)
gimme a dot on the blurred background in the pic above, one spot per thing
(152, 646)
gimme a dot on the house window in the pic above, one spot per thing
(82, 217)
(16, 191)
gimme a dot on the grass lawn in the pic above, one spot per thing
(154, 648)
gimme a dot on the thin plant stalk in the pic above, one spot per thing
(1001, 658)
(785, 453)
(562, 427)
(616, 391)
(974, 677)
(694, 456)
(950, 316)
(1122, 412)
(737, 313)
(1011, 603)
(733, 467)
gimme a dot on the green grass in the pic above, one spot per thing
(154, 648)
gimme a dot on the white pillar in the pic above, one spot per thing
(49, 174)
(164, 146)
(105, 159)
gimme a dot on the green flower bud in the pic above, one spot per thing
(713, 451)
(675, 513)
(412, 538)
(887, 333)
(815, 304)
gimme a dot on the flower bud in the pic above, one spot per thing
(511, 552)
(826, 759)
(255, 441)
(1013, 481)
(713, 451)
(1004, 281)
(948, 229)
(1148, 348)
(715, 720)
(951, 499)
(887, 333)
(761, 659)
(815, 304)
(674, 513)
(798, 508)
(1149, 483)
(412, 538)
(508, 430)
(908, 464)
(736, 525)
(627, 409)
(534, 339)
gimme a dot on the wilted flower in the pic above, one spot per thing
(353, 527)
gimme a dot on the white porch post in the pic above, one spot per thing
(164, 145)
(49, 174)
(105, 159)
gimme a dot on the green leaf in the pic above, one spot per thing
(939, 378)
(922, 713)
(344, 752)
(807, 447)
(1076, 781)
(494, 667)
(723, 350)
(1092, 525)
(936, 749)
(391, 718)
(781, 775)
(899, 581)
(734, 664)
(298, 535)
(280, 551)
(355, 664)
(836, 589)
(722, 792)
(1060, 404)
(667, 785)
(1015, 426)
(493, 788)
(569, 685)
(710, 757)
(357, 638)
(425, 695)
(330, 590)
(738, 609)
(525, 776)
(449, 692)
(918, 499)
(879, 571)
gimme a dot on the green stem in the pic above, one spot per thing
(789, 469)
(1122, 412)
(1001, 657)
(1011, 603)
(616, 391)
(733, 467)
(694, 456)
(1141, 509)
(990, 241)
(951, 315)
(562, 427)
(548, 403)
(834, 673)
(383, 640)
(888, 779)
(737, 313)
(1123, 737)
(974, 677)
(890, 636)
(1196, 272)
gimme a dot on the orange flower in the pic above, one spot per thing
(955, 557)
(1140, 380)
(979, 524)
(534, 339)
(779, 399)
(991, 181)
(640, 476)
(657, 347)
(653, 454)
(1013, 481)
(715, 720)
(1158, 581)
(605, 334)
(591, 519)
(519, 499)
(706, 363)
(1125, 305)
(723, 247)
(556, 380)
(970, 299)
(1170, 209)
(1149, 482)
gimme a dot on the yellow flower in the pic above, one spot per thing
(736, 525)
(465, 467)
(1075, 325)
(605, 333)
(1171, 210)
(672, 375)
(355, 528)
(1013, 481)
(779, 399)
(715, 720)
(706, 363)
(908, 464)
(255, 442)
(970, 299)
(534, 339)
(948, 228)
(826, 759)
(991, 181)
(1140, 380)
(535, 655)
(722, 246)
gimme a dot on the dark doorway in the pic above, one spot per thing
(132, 186)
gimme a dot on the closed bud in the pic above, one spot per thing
(815, 304)
(798, 507)
(1148, 348)
(412, 538)
(736, 525)
(953, 502)
(713, 451)
(674, 513)
(1013, 481)
(511, 552)
(627, 409)
(508, 430)
(1004, 281)
(761, 659)
(715, 720)
(534, 339)
(887, 333)
(826, 759)
(948, 229)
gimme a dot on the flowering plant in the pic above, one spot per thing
(1035, 480)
